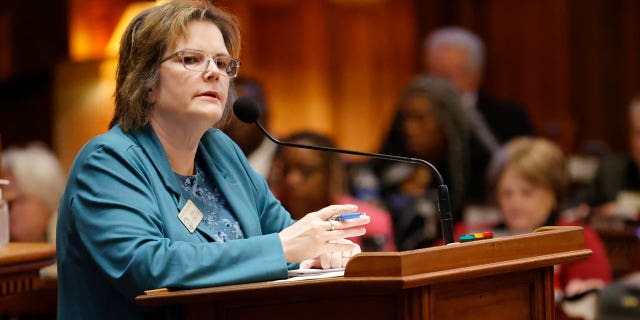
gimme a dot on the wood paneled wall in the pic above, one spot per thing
(328, 65)
(337, 66)
(91, 24)
(33, 39)
(574, 65)
(605, 68)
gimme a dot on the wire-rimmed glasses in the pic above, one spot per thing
(196, 60)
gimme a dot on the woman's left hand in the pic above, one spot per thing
(334, 257)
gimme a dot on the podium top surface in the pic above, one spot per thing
(400, 270)
(547, 244)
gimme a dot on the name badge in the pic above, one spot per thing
(190, 216)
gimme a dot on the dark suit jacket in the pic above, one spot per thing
(506, 120)
(615, 173)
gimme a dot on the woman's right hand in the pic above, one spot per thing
(315, 234)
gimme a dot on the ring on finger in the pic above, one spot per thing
(332, 226)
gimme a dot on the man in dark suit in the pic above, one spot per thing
(457, 55)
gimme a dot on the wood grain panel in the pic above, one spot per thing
(606, 68)
(91, 23)
(470, 299)
(334, 67)
(529, 65)
(285, 49)
(374, 61)
(84, 105)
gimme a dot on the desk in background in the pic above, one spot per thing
(622, 241)
(22, 291)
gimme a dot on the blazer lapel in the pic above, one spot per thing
(234, 192)
(150, 144)
(147, 138)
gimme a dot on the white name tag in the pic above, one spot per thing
(190, 216)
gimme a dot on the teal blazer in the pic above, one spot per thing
(119, 234)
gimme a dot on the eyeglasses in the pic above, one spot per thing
(196, 60)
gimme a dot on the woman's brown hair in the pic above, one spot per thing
(539, 161)
(145, 42)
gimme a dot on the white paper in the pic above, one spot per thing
(304, 274)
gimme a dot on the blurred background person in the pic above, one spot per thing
(37, 181)
(529, 178)
(612, 199)
(305, 180)
(456, 54)
(620, 299)
(614, 192)
(258, 149)
(429, 125)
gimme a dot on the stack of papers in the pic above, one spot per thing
(304, 274)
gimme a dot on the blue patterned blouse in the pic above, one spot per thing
(204, 192)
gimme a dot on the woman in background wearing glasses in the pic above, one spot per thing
(164, 199)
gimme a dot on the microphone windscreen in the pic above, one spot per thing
(246, 109)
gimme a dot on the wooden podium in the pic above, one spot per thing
(502, 278)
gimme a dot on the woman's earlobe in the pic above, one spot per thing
(151, 96)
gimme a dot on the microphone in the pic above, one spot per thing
(247, 111)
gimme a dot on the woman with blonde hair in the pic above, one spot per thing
(529, 180)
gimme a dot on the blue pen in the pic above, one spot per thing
(346, 216)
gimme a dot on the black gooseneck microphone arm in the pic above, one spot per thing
(443, 203)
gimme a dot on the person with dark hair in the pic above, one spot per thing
(428, 125)
(164, 198)
(305, 180)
